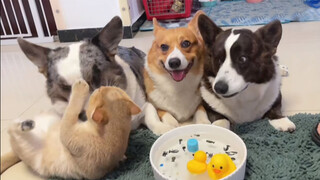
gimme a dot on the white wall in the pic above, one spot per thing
(78, 14)
(136, 9)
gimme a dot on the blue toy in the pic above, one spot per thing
(192, 145)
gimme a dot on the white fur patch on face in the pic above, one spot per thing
(176, 53)
(69, 67)
(227, 73)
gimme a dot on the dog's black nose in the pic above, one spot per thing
(221, 87)
(174, 63)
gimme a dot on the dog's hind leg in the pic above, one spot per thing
(277, 120)
(152, 120)
(27, 141)
(7, 160)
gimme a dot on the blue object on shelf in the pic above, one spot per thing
(208, 3)
(192, 145)
(313, 3)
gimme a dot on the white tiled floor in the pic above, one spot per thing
(23, 88)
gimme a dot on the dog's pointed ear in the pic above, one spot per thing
(110, 36)
(156, 26)
(134, 108)
(193, 24)
(100, 116)
(271, 34)
(208, 29)
(38, 55)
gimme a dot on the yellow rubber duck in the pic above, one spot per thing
(198, 165)
(220, 166)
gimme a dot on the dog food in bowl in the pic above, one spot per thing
(172, 151)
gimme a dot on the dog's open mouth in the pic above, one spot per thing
(179, 75)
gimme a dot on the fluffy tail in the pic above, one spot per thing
(8, 160)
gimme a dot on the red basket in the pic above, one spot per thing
(167, 9)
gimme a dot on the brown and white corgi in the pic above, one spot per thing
(173, 73)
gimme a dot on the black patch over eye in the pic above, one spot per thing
(164, 47)
(242, 59)
(65, 87)
(221, 61)
(185, 44)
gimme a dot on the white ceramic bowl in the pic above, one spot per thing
(216, 133)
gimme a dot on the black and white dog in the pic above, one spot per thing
(99, 61)
(242, 77)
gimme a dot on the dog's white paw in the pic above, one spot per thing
(283, 124)
(222, 123)
(27, 125)
(169, 120)
(201, 117)
(284, 70)
(162, 129)
(80, 88)
(203, 121)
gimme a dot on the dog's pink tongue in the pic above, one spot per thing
(178, 75)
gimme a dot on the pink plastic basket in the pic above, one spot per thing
(167, 9)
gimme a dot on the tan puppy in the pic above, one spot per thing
(173, 72)
(74, 149)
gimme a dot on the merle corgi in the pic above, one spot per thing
(242, 77)
(99, 61)
(173, 73)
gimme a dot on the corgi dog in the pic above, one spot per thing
(100, 61)
(172, 76)
(76, 149)
(242, 76)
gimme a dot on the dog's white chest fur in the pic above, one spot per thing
(249, 105)
(180, 99)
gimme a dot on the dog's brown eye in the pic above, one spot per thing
(185, 44)
(164, 47)
(242, 59)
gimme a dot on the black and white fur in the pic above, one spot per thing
(242, 77)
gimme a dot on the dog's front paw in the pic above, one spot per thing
(169, 120)
(80, 87)
(283, 124)
(162, 129)
(27, 125)
(222, 123)
(203, 121)
(201, 117)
